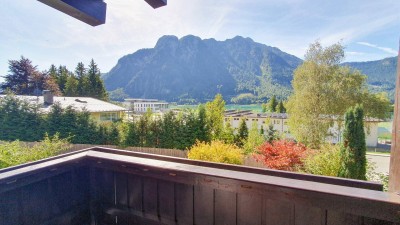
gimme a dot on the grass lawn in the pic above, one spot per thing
(378, 150)
(385, 131)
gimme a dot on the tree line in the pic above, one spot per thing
(22, 120)
(25, 79)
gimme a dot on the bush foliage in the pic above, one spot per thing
(216, 151)
(16, 152)
(325, 161)
(281, 154)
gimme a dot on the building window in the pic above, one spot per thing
(108, 116)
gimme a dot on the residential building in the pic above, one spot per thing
(279, 121)
(99, 110)
(139, 105)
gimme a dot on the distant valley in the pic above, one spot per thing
(191, 70)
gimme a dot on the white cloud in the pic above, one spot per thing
(352, 53)
(385, 49)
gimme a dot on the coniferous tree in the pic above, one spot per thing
(271, 134)
(272, 104)
(96, 87)
(168, 130)
(86, 129)
(62, 77)
(242, 134)
(80, 73)
(280, 108)
(71, 87)
(69, 122)
(353, 147)
(202, 126)
(53, 73)
(143, 129)
(20, 120)
(54, 120)
(153, 137)
(113, 136)
(186, 130)
(132, 137)
(264, 108)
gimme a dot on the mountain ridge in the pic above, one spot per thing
(191, 69)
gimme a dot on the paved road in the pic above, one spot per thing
(381, 161)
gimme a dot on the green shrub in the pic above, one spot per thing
(216, 151)
(16, 152)
(254, 140)
(325, 161)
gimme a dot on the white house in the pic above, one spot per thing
(139, 105)
(99, 110)
(280, 123)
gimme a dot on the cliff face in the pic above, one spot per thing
(196, 69)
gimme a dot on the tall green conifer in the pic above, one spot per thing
(353, 147)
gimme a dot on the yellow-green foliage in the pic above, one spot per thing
(216, 151)
(325, 161)
(16, 152)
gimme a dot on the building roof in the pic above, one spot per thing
(77, 103)
(250, 114)
(143, 100)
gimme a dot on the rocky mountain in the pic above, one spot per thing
(192, 69)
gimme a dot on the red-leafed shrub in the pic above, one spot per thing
(281, 154)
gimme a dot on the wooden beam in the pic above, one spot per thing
(156, 3)
(394, 172)
(92, 12)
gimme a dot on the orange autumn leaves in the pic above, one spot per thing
(281, 154)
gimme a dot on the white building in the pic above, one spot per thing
(280, 123)
(99, 110)
(138, 105)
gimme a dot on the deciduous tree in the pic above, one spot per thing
(215, 116)
(281, 154)
(254, 139)
(323, 90)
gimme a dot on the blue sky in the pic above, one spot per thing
(369, 29)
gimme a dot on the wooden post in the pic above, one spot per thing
(394, 172)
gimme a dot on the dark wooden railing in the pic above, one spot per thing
(103, 186)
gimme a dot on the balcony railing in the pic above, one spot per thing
(101, 186)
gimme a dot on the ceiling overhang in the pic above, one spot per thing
(92, 12)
